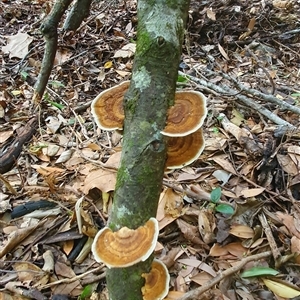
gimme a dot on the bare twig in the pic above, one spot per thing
(264, 97)
(70, 280)
(249, 102)
(268, 232)
(194, 294)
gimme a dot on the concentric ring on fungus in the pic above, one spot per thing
(184, 150)
(107, 107)
(125, 247)
(187, 114)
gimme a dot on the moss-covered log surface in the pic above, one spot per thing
(160, 33)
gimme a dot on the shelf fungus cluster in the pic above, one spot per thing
(127, 247)
(183, 128)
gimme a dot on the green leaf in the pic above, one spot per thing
(24, 75)
(57, 105)
(225, 209)
(56, 84)
(215, 194)
(259, 271)
(87, 292)
(182, 78)
(215, 130)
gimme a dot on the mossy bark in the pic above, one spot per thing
(161, 25)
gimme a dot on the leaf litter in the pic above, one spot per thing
(251, 155)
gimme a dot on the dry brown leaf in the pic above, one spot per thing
(173, 203)
(168, 219)
(30, 273)
(251, 24)
(126, 51)
(187, 177)
(230, 127)
(160, 214)
(215, 143)
(186, 271)
(287, 164)
(236, 249)
(249, 193)
(103, 180)
(53, 124)
(17, 237)
(46, 171)
(17, 45)
(64, 271)
(193, 262)
(202, 278)
(114, 160)
(94, 147)
(218, 250)
(159, 247)
(211, 14)
(51, 150)
(223, 52)
(294, 153)
(200, 192)
(5, 135)
(283, 4)
(62, 55)
(190, 232)
(64, 156)
(289, 223)
(295, 248)
(242, 231)
(6, 296)
(224, 163)
(207, 225)
(170, 258)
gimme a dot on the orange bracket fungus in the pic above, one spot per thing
(184, 119)
(107, 107)
(125, 247)
(156, 282)
(184, 150)
(187, 114)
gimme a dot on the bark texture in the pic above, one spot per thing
(79, 11)
(161, 25)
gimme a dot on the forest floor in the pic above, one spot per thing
(229, 223)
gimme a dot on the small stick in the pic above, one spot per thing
(70, 280)
(265, 225)
(194, 294)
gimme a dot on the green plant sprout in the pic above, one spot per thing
(215, 197)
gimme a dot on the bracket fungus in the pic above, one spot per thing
(184, 150)
(107, 107)
(125, 247)
(184, 121)
(156, 282)
(187, 114)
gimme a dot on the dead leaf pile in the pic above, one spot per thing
(235, 210)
